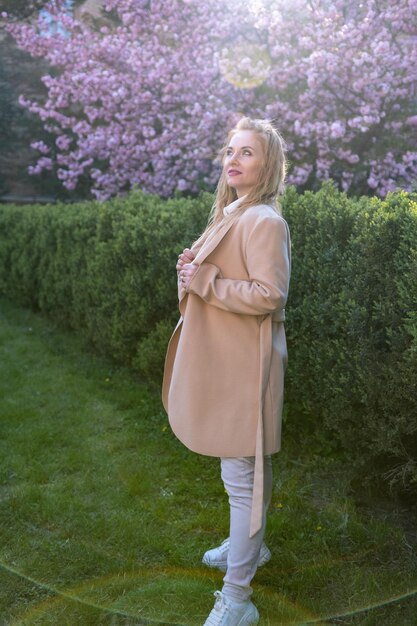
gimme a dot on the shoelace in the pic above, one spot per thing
(220, 603)
(220, 608)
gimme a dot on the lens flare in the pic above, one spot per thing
(131, 595)
(245, 65)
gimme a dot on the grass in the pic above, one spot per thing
(104, 515)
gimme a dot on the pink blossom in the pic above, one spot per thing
(40, 146)
(63, 142)
(337, 129)
(44, 163)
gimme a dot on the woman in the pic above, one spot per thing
(224, 370)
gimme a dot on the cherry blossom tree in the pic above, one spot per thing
(145, 95)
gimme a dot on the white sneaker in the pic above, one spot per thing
(228, 612)
(217, 557)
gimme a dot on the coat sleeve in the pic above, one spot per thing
(268, 266)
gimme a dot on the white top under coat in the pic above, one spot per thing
(233, 205)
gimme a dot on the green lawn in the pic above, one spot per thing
(104, 515)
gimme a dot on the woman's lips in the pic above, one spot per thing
(233, 172)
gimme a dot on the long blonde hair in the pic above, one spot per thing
(271, 179)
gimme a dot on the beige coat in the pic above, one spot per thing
(224, 369)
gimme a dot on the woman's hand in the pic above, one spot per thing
(186, 268)
(186, 273)
(186, 256)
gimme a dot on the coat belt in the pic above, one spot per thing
(264, 371)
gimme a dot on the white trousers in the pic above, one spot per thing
(237, 475)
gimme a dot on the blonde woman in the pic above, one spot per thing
(224, 370)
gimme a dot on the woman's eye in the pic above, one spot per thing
(229, 152)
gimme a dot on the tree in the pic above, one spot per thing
(145, 97)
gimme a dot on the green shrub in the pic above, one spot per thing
(321, 225)
(106, 270)
(383, 272)
(352, 329)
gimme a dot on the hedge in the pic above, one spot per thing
(352, 328)
(108, 271)
(104, 269)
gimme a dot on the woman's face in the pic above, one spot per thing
(243, 161)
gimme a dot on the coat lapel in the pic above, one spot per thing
(207, 248)
(213, 241)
